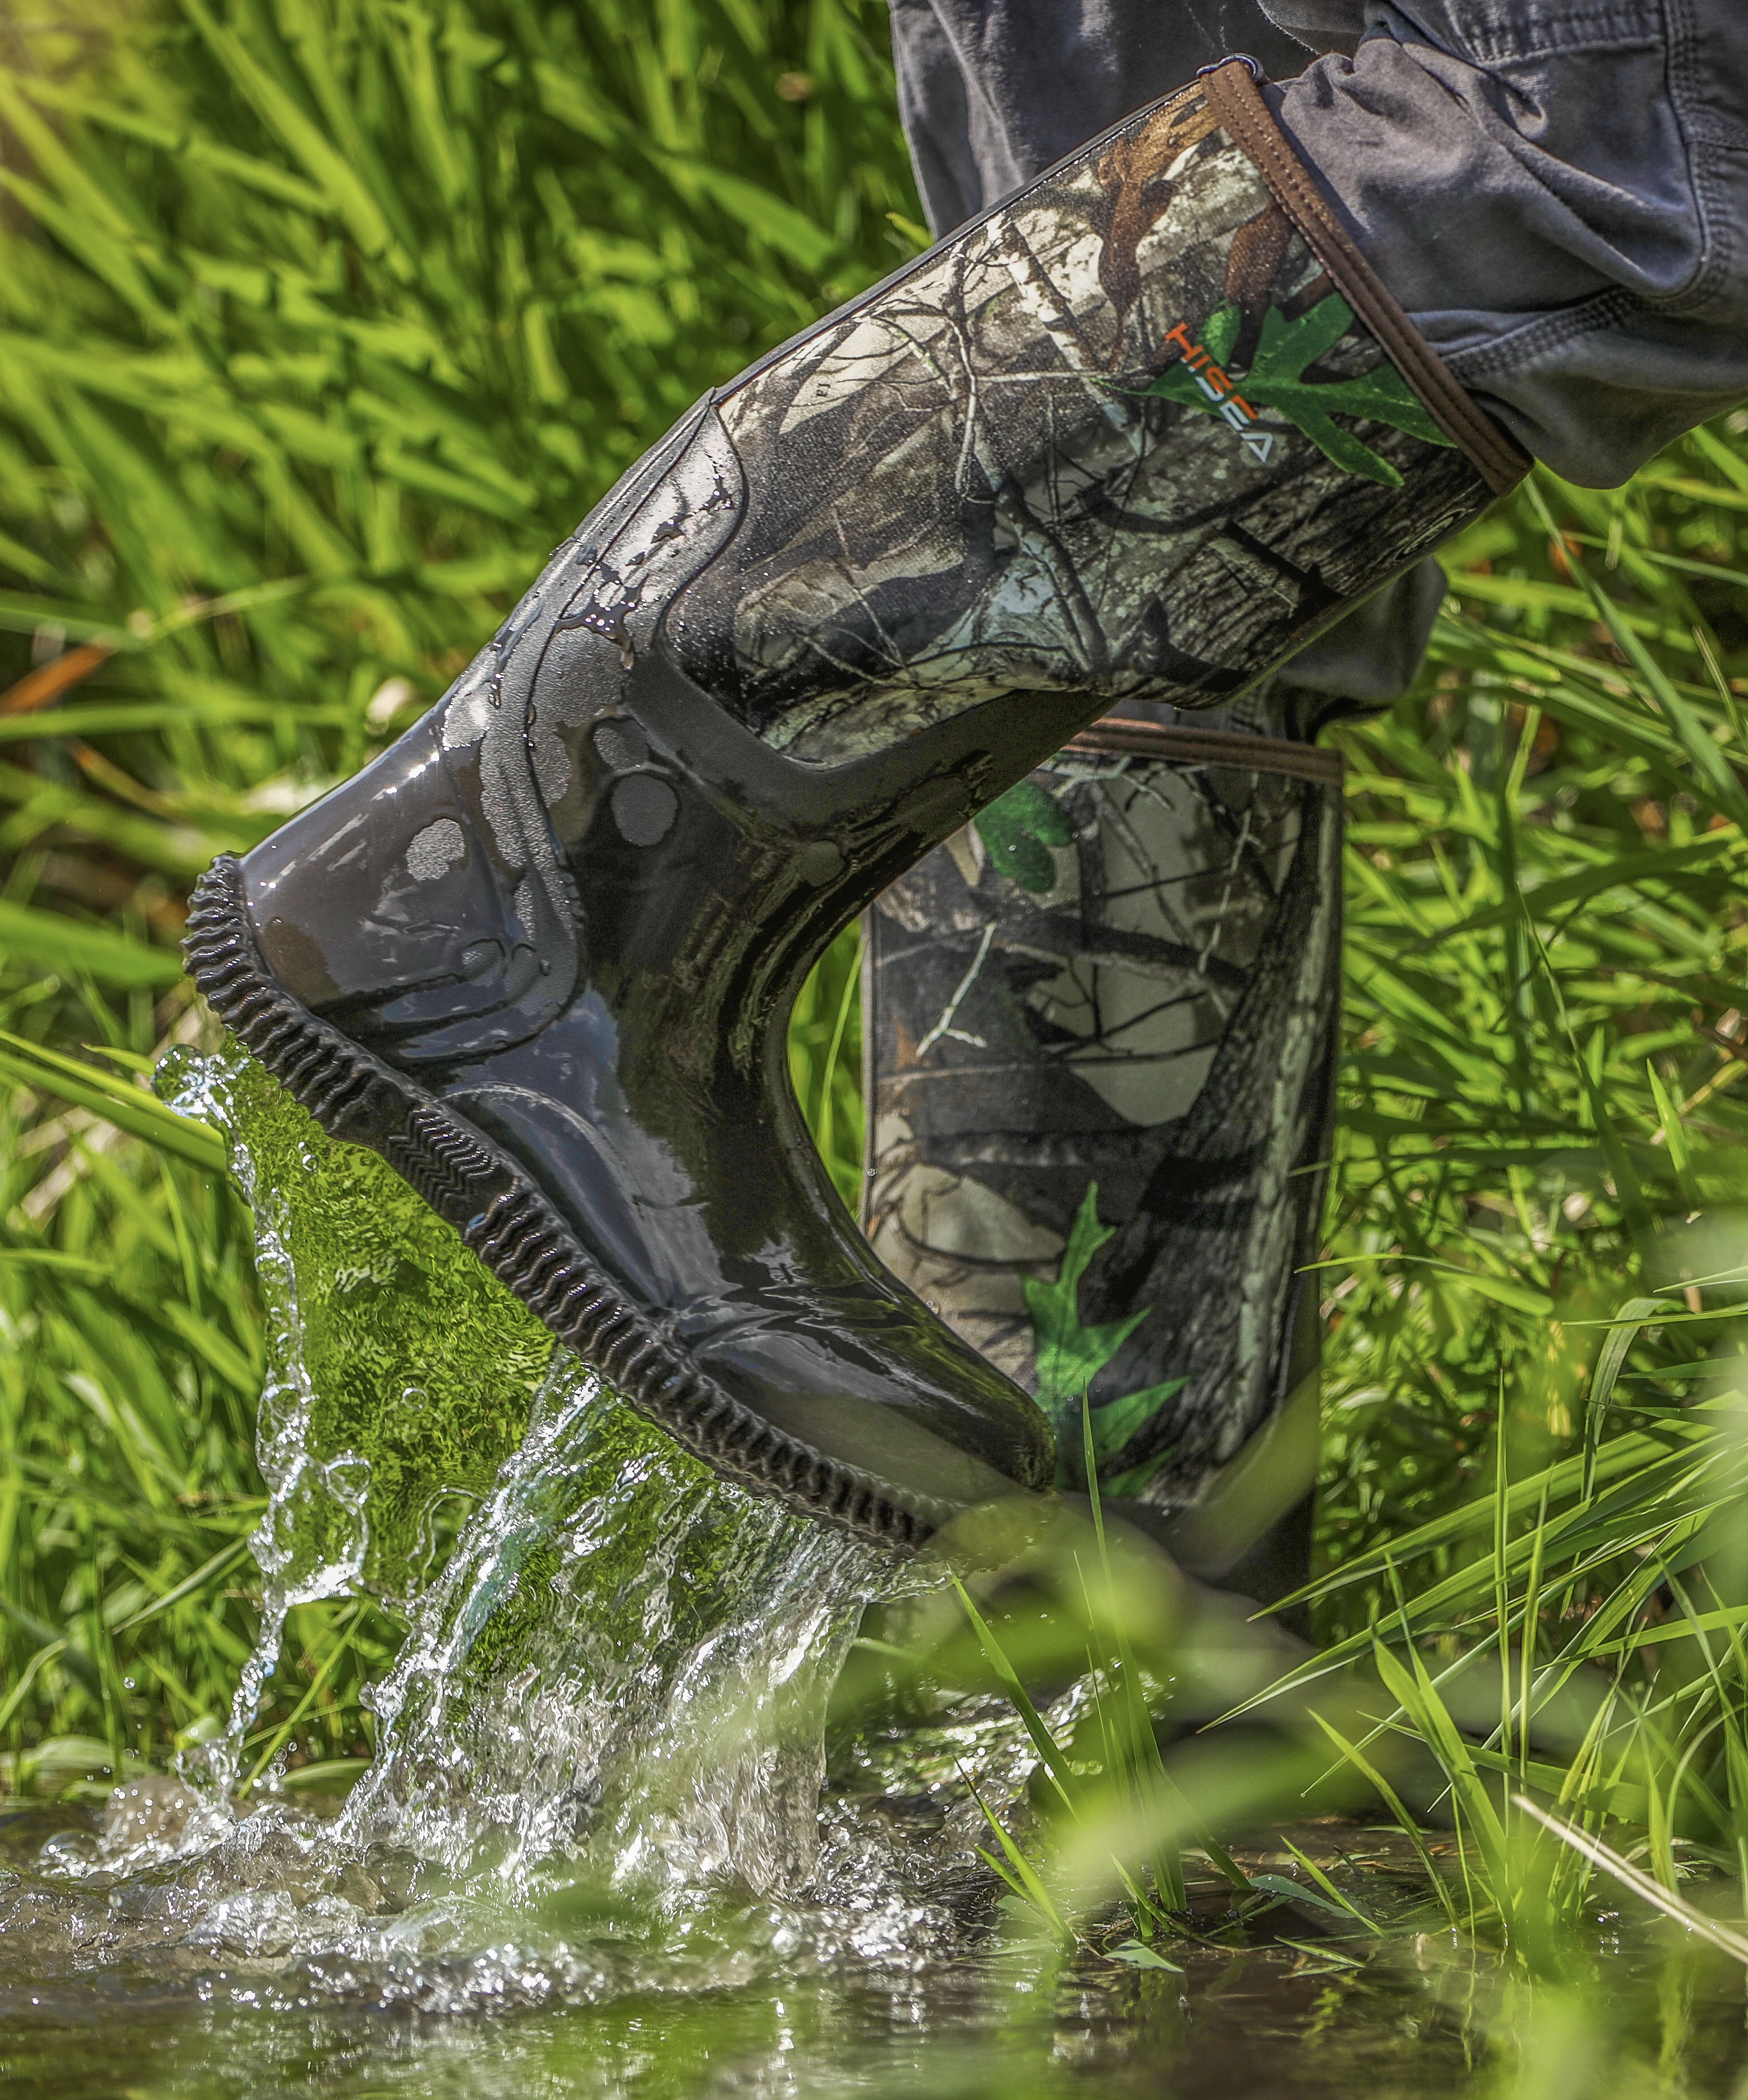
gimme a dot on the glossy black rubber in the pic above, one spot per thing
(510, 1224)
(744, 1313)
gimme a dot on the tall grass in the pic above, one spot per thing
(320, 322)
(319, 325)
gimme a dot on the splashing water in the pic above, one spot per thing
(614, 1673)
(596, 1799)
(622, 1658)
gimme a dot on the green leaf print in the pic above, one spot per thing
(1018, 829)
(1276, 381)
(1069, 1355)
(1220, 334)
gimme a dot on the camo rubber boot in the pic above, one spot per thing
(1139, 432)
(1100, 1039)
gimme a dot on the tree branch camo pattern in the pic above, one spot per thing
(1105, 1173)
(986, 476)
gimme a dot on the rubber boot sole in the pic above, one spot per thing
(515, 1230)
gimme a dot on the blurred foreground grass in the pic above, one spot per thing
(319, 323)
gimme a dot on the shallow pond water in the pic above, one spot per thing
(895, 1974)
(602, 1849)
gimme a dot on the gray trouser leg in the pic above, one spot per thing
(1555, 190)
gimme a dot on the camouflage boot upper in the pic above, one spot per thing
(1101, 1038)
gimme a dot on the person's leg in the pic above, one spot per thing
(1060, 1077)
(1099, 1064)
(1101, 1038)
(1140, 434)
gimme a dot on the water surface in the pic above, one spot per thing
(604, 1846)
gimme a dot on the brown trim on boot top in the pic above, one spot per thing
(1236, 99)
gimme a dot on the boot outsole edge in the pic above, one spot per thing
(475, 1186)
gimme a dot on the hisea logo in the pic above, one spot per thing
(1228, 404)
(1279, 377)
